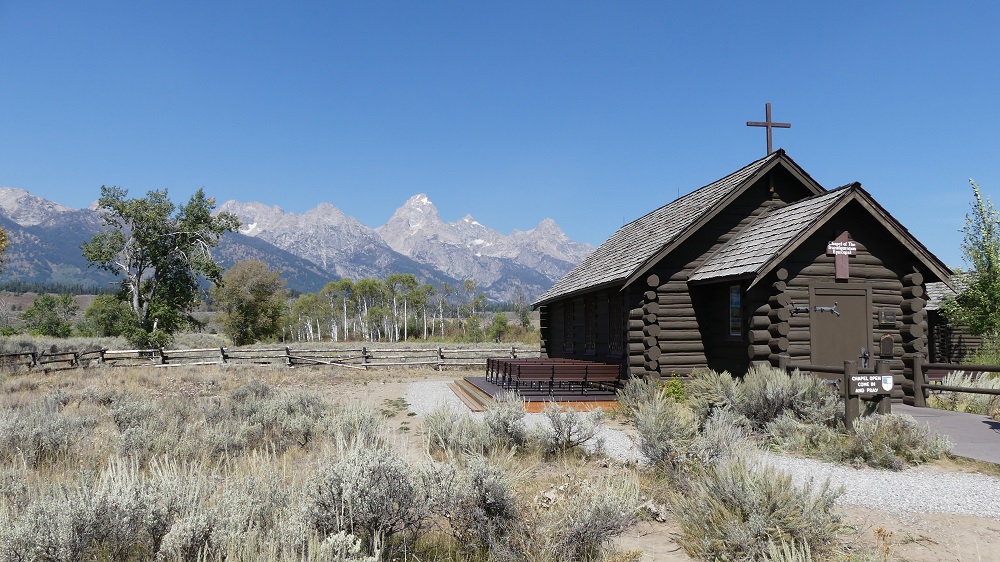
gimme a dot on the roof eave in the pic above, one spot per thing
(571, 294)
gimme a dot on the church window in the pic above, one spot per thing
(590, 326)
(735, 311)
(616, 326)
(569, 333)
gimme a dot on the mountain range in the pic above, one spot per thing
(312, 248)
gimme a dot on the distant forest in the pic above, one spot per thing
(43, 288)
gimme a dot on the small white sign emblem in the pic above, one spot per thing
(887, 383)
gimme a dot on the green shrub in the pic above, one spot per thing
(711, 390)
(590, 516)
(736, 510)
(790, 434)
(770, 393)
(187, 538)
(452, 432)
(130, 411)
(642, 390)
(570, 430)
(42, 432)
(666, 430)
(343, 547)
(671, 441)
(504, 420)
(482, 508)
(358, 423)
(278, 420)
(116, 516)
(764, 395)
(892, 441)
(368, 493)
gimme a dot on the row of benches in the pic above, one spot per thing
(551, 373)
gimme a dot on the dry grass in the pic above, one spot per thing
(220, 462)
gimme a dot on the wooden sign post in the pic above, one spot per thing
(874, 389)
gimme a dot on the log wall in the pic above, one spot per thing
(691, 326)
(896, 286)
(947, 343)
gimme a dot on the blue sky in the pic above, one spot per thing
(591, 113)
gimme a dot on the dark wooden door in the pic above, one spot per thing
(840, 323)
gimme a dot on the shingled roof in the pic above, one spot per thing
(750, 250)
(636, 243)
(642, 243)
(754, 251)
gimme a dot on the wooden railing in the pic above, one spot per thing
(922, 385)
(362, 358)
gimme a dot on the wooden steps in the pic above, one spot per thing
(470, 395)
(478, 399)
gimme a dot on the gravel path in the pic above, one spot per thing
(929, 490)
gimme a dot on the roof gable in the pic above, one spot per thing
(643, 242)
(771, 238)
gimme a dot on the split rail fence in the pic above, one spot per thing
(927, 377)
(362, 358)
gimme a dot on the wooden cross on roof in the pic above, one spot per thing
(769, 125)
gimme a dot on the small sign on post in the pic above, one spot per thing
(874, 389)
(868, 386)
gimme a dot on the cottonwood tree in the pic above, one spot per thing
(160, 251)
(252, 299)
(977, 305)
(400, 286)
(338, 295)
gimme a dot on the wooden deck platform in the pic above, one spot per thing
(477, 393)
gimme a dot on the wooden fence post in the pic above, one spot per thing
(884, 400)
(288, 356)
(222, 354)
(919, 381)
(440, 359)
(364, 358)
(513, 352)
(34, 361)
(852, 404)
(783, 360)
(163, 357)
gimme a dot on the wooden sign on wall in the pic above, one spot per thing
(841, 249)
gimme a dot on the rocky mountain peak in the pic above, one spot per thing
(417, 214)
(27, 210)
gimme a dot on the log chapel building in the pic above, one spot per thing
(762, 262)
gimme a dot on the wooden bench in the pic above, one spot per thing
(549, 374)
(499, 368)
